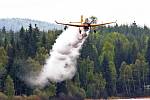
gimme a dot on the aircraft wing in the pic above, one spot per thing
(83, 25)
(70, 24)
(93, 25)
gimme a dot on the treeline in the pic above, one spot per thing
(114, 62)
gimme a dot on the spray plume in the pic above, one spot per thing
(61, 65)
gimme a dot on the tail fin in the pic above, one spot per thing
(81, 18)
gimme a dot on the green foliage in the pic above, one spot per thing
(3, 64)
(49, 90)
(147, 56)
(26, 68)
(96, 86)
(41, 55)
(109, 72)
(126, 77)
(3, 57)
(9, 87)
(86, 67)
(74, 90)
(33, 65)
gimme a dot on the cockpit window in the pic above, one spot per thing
(86, 28)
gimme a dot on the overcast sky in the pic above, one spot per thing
(124, 11)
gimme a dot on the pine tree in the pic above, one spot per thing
(147, 55)
(44, 41)
(9, 87)
(11, 57)
(3, 63)
(22, 37)
(118, 55)
(109, 73)
(31, 42)
(4, 30)
(126, 78)
(86, 67)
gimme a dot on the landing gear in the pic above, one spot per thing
(65, 27)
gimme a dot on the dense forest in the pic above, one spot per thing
(114, 62)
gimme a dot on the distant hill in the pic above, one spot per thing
(16, 23)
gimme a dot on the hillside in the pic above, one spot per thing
(16, 23)
(114, 63)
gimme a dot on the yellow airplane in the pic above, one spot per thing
(85, 24)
